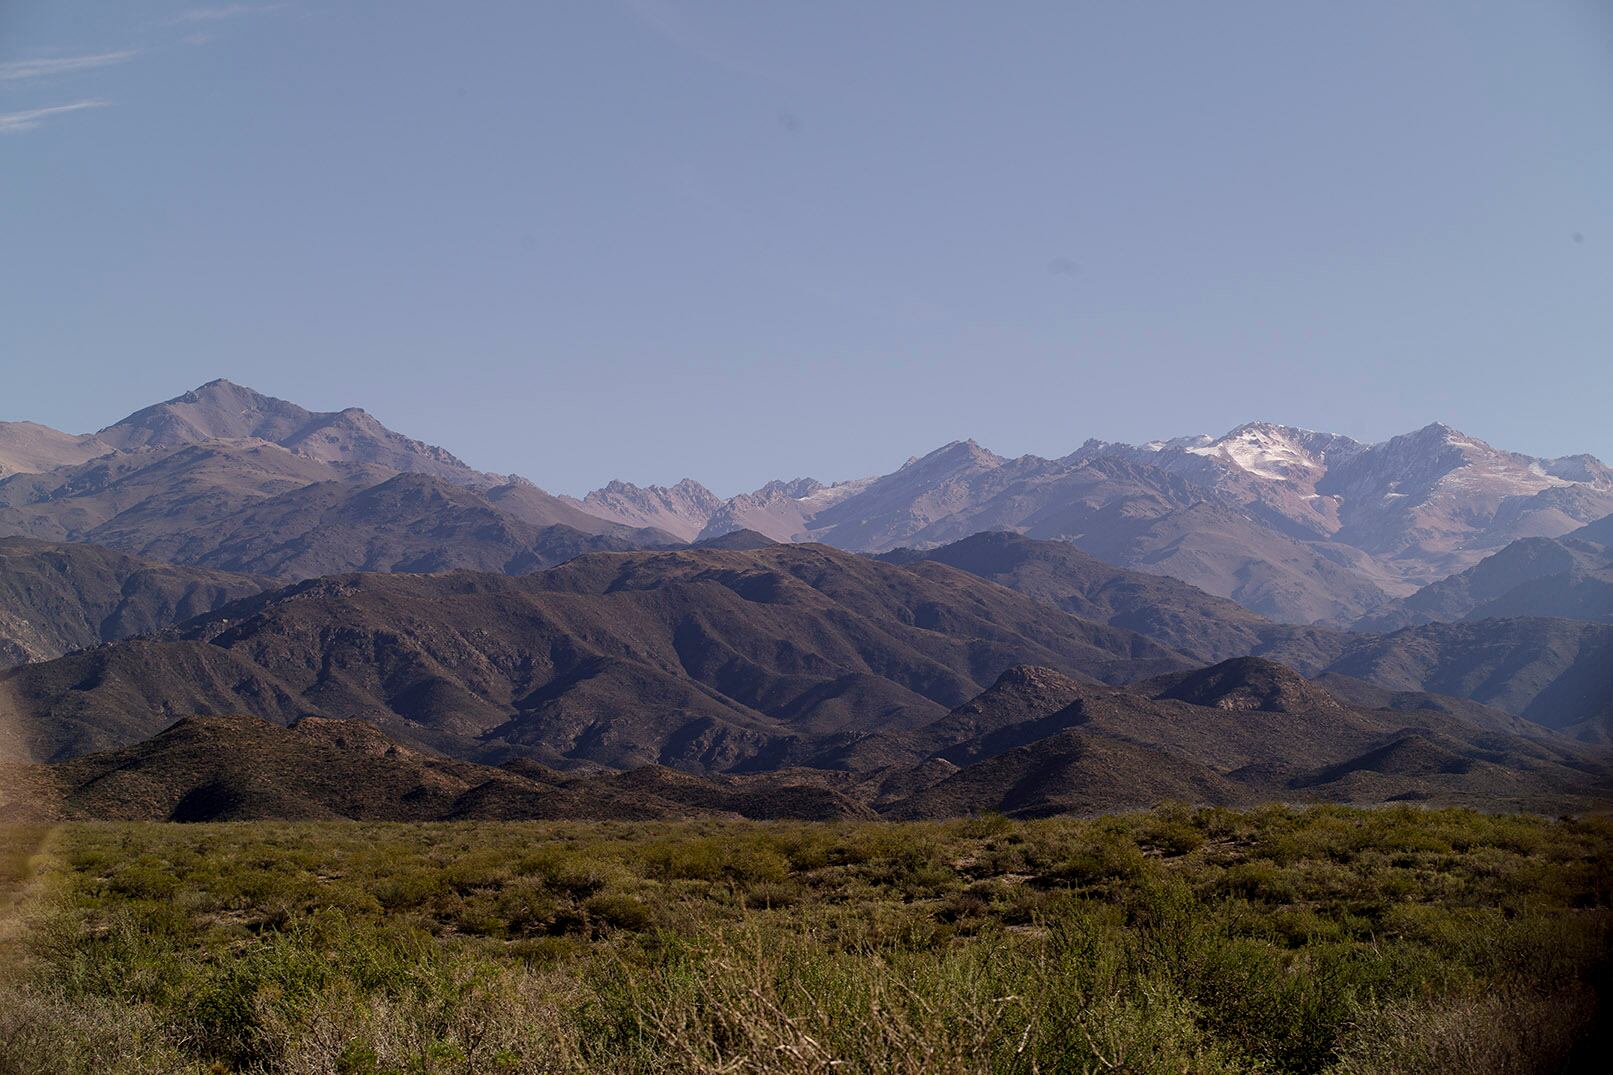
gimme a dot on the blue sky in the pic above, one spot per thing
(649, 239)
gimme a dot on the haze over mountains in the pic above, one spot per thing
(1298, 526)
(1557, 671)
(227, 478)
(822, 650)
(1570, 577)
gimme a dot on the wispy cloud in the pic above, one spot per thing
(220, 12)
(17, 122)
(60, 65)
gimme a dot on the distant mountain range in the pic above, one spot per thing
(226, 478)
(725, 660)
(708, 659)
(221, 594)
(1556, 671)
(1569, 577)
(220, 410)
(1297, 526)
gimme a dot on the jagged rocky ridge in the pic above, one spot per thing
(1296, 525)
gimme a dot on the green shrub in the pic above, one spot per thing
(1110, 858)
(620, 912)
(1209, 940)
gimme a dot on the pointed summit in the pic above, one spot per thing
(958, 454)
(224, 410)
(217, 410)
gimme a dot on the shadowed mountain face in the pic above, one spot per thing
(242, 768)
(1556, 672)
(1242, 731)
(1570, 577)
(1035, 743)
(1545, 669)
(60, 597)
(722, 659)
(702, 659)
(410, 522)
(755, 660)
(1248, 684)
(1189, 620)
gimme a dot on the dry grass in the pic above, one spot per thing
(1180, 940)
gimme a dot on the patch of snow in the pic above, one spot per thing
(1188, 443)
(1264, 452)
(834, 494)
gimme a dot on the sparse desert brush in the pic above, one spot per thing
(1270, 940)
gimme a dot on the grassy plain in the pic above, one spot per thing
(1181, 940)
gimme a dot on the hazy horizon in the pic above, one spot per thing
(876, 470)
(648, 240)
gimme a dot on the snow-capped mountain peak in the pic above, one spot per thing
(1262, 450)
(1278, 452)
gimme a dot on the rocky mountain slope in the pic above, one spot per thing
(220, 410)
(1570, 577)
(707, 659)
(254, 507)
(681, 510)
(1555, 671)
(228, 478)
(60, 597)
(243, 768)
(1241, 731)
(1034, 743)
(28, 447)
(702, 659)
(1296, 525)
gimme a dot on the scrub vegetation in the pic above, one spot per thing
(1325, 939)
